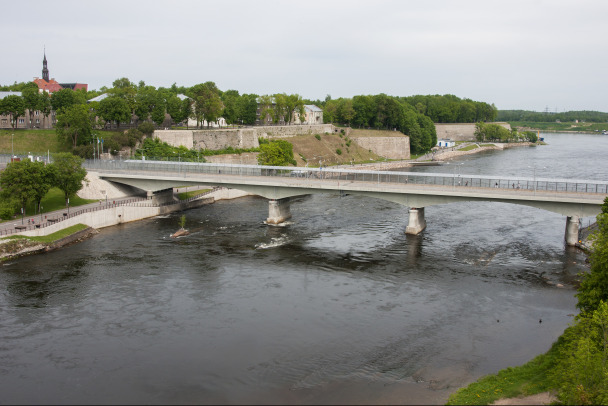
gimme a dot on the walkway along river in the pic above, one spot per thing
(338, 306)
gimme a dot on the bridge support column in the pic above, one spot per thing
(416, 223)
(163, 196)
(572, 230)
(278, 211)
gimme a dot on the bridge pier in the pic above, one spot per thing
(416, 222)
(572, 230)
(278, 210)
(161, 197)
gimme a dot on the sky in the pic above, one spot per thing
(532, 54)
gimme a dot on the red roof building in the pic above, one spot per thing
(51, 85)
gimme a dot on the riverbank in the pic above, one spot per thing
(20, 246)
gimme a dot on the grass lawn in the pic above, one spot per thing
(37, 142)
(192, 193)
(54, 200)
(469, 147)
(48, 239)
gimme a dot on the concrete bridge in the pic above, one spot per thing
(569, 197)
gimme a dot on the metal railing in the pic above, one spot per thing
(186, 169)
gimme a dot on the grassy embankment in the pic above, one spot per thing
(525, 380)
(51, 238)
(553, 126)
(336, 149)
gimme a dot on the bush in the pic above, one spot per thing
(339, 151)
(134, 136)
(83, 151)
(146, 128)
(7, 210)
(317, 136)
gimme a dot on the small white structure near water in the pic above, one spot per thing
(445, 143)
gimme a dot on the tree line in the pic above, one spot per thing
(125, 101)
(496, 133)
(544, 117)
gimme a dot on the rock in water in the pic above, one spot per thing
(179, 233)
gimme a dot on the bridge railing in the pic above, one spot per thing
(184, 169)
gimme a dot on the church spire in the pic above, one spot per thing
(45, 70)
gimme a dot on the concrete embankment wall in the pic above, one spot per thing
(132, 212)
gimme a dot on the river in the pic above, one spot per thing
(337, 306)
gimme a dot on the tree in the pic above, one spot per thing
(126, 90)
(594, 286)
(276, 153)
(247, 109)
(45, 104)
(68, 173)
(267, 110)
(25, 181)
(32, 99)
(74, 124)
(207, 102)
(114, 108)
(44, 182)
(63, 99)
(13, 106)
(230, 98)
(176, 110)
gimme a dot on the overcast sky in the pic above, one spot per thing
(530, 54)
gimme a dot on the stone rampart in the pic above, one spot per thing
(243, 138)
(460, 131)
(248, 158)
(286, 131)
(388, 147)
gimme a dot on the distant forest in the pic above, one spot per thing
(544, 117)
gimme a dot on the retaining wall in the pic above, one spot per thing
(460, 131)
(388, 147)
(243, 138)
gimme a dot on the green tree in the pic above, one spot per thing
(67, 173)
(45, 104)
(276, 153)
(24, 181)
(176, 110)
(126, 90)
(267, 110)
(247, 109)
(64, 98)
(74, 124)
(115, 109)
(14, 107)
(594, 285)
(230, 98)
(32, 99)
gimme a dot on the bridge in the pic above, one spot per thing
(572, 198)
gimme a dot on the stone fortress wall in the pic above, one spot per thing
(460, 131)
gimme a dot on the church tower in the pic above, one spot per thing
(45, 70)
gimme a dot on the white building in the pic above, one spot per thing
(445, 143)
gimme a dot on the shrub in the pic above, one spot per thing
(146, 128)
(339, 151)
(317, 136)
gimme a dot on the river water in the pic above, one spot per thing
(337, 306)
